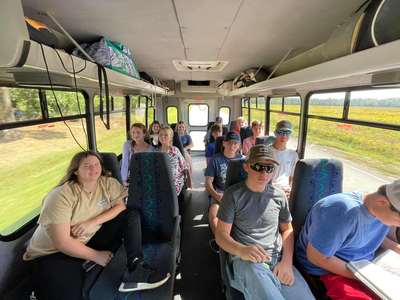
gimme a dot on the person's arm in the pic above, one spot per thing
(207, 160)
(81, 228)
(209, 187)
(191, 145)
(283, 270)
(333, 264)
(245, 147)
(254, 253)
(389, 244)
(65, 243)
(290, 181)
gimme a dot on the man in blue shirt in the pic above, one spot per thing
(347, 227)
(218, 120)
(216, 173)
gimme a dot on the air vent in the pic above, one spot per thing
(191, 86)
(199, 66)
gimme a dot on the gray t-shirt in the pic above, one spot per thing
(255, 216)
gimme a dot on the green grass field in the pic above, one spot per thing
(33, 163)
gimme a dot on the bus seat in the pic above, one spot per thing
(155, 197)
(111, 164)
(233, 126)
(245, 132)
(128, 136)
(173, 126)
(235, 174)
(224, 131)
(177, 142)
(218, 144)
(210, 124)
(313, 180)
(265, 140)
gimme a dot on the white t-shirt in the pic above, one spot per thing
(287, 160)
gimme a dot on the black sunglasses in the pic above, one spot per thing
(259, 168)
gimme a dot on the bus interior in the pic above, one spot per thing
(342, 99)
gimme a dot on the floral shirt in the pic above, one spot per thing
(178, 164)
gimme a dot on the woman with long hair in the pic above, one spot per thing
(186, 139)
(178, 162)
(139, 143)
(82, 218)
(154, 130)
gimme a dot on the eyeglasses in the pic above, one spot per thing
(259, 168)
(281, 132)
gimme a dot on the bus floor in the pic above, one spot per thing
(199, 272)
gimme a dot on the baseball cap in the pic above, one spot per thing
(232, 136)
(260, 152)
(283, 125)
(393, 193)
(218, 119)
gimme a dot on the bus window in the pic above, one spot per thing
(35, 157)
(198, 115)
(23, 105)
(138, 110)
(224, 113)
(385, 103)
(113, 139)
(67, 102)
(257, 109)
(327, 104)
(245, 109)
(290, 112)
(172, 115)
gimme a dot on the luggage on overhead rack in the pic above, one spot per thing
(40, 33)
(249, 77)
(112, 56)
(225, 87)
(375, 23)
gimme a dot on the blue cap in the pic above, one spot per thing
(218, 119)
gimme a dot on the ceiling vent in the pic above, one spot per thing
(199, 66)
(192, 86)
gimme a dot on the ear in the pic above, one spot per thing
(383, 201)
(246, 167)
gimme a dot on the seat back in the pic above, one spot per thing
(245, 132)
(235, 172)
(152, 192)
(224, 131)
(210, 124)
(265, 140)
(218, 144)
(111, 164)
(313, 180)
(177, 142)
(173, 126)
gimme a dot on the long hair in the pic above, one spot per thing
(169, 132)
(143, 129)
(76, 162)
(181, 122)
(151, 132)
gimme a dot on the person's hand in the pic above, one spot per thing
(254, 253)
(284, 272)
(80, 229)
(219, 197)
(103, 257)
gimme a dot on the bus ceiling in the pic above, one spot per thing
(241, 34)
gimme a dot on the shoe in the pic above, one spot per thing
(213, 245)
(138, 279)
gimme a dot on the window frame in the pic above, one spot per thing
(229, 114)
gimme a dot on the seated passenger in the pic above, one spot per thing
(154, 130)
(186, 139)
(258, 130)
(218, 120)
(81, 219)
(254, 224)
(287, 158)
(139, 143)
(216, 131)
(178, 162)
(216, 173)
(347, 227)
(240, 123)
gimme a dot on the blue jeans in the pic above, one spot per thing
(257, 282)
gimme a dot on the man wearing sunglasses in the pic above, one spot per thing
(287, 158)
(254, 224)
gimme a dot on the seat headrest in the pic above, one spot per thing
(235, 172)
(245, 132)
(111, 164)
(218, 144)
